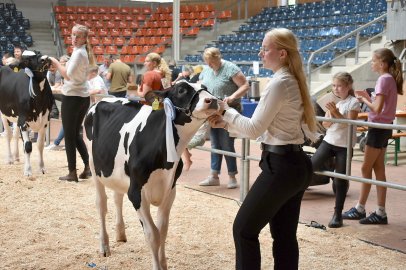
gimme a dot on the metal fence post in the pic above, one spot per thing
(245, 166)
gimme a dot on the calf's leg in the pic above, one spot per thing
(101, 204)
(40, 145)
(27, 152)
(8, 133)
(120, 226)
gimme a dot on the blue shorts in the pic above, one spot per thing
(378, 138)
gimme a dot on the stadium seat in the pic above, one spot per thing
(98, 50)
(111, 49)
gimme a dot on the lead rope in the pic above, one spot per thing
(172, 155)
(30, 88)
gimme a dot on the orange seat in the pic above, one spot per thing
(128, 59)
(133, 41)
(107, 41)
(82, 10)
(208, 7)
(155, 17)
(110, 24)
(95, 17)
(209, 23)
(184, 16)
(151, 32)
(123, 24)
(70, 9)
(146, 11)
(61, 17)
(154, 40)
(118, 17)
(98, 25)
(140, 58)
(134, 25)
(72, 17)
(135, 11)
(136, 49)
(167, 40)
(125, 10)
(143, 41)
(93, 10)
(98, 50)
(192, 32)
(159, 49)
(141, 32)
(166, 24)
(140, 17)
(115, 32)
(185, 8)
(224, 15)
(83, 17)
(91, 33)
(59, 9)
(119, 41)
(101, 32)
(65, 32)
(107, 17)
(114, 10)
(126, 32)
(100, 58)
(64, 24)
(94, 41)
(126, 50)
(104, 10)
(159, 32)
(112, 49)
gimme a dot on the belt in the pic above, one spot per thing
(281, 149)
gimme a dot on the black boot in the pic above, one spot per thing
(72, 177)
(336, 221)
(86, 173)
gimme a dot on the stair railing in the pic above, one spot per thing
(356, 32)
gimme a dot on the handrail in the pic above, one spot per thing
(330, 45)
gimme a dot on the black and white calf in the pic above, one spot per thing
(135, 151)
(26, 99)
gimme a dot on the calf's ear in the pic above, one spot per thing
(152, 95)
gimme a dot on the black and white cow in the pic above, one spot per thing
(26, 99)
(129, 143)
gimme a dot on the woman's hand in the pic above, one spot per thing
(331, 107)
(216, 121)
(222, 104)
(229, 99)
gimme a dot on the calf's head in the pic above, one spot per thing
(35, 61)
(188, 100)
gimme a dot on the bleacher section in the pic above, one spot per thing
(316, 24)
(133, 32)
(13, 28)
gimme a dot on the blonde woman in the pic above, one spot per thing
(75, 100)
(275, 197)
(157, 76)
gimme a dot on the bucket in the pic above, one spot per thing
(254, 90)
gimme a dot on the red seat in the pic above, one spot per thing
(136, 49)
(93, 10)
(185, 8)
(104, 10)
(111, 49)
(59, 9)
(159, 49)
(184, 16)
(67, 40)
(197, 8)
(208, 7)
(64, 24)
(61, 17)
(110, 24)
(140, 59)
(209, 23)
(128, 18)
(133, 41)
(118, 17)
(72, 17)
(95, 17)
(135, 11)
(125, 10)
(119, 41)
(192, 32)
(65, 32)
(154, 40)
(101, 32)
(98, 50)
(70, 9)
(141, 32)
(83, 17)
(123, 24)
(134, 25)
(107, 17)
(128, 59)
(107, 41)
(99, 58)
(166, 24)
(126, 32)
(224, 15)
(140, 18)
(143, 41)
(126, 50)
(146, 11)
(91, 33)
(155, 17)
(82, 10)
(151, 32)
(115, 32)
(159, 32)
(94, 41)
(167, 40)
(114, 10)
(98, 24)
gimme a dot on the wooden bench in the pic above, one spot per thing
(396, 139)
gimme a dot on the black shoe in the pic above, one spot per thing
(336, 221)
(354, 214)
(86, 173)
(374, 218)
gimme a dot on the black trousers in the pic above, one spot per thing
(273, 199)
(324, 152)
(74, 109)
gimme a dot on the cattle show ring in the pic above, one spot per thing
(51, 224)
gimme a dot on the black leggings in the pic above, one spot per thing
(323, 153)
(73, 110)
(273, 199)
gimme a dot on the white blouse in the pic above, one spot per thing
(277, 120)
(76, 69)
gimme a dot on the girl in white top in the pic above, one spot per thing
(76, 100)
(276, 195)
(335, 141)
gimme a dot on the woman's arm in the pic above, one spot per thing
(61, 68)
(377, 105)
(144, 90)
(242, 83)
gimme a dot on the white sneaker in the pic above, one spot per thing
(53, 147)
(210, 181)
(232, 183)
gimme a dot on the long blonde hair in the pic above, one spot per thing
(162, 66)
(285, 39)
(394, 66)
(83, 29)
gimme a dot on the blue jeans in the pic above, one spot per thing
(58, 139)
(221, 140)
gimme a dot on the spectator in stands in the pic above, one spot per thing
(56, 91)
(275, 196)
(4, 58)
(96, 83)
(18, 52)
(194, 77)
(382, 110)
(187, 71)
(76, 100)
(104, 68)
(225, 81)
(120, 75)
(334, 143)
(157, 75)
(175, 70)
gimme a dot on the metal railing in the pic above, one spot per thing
(246, 157)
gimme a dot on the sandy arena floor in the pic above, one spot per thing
(49, 224)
